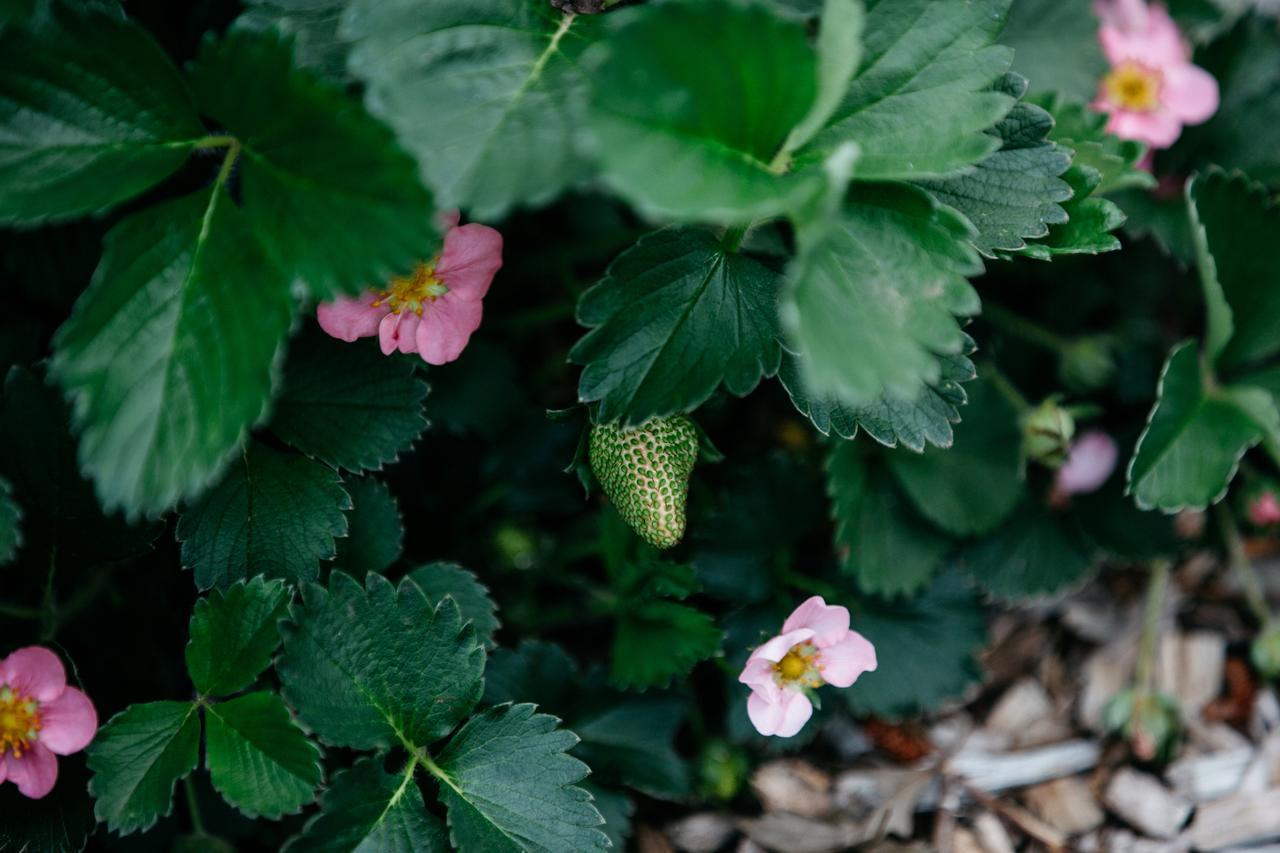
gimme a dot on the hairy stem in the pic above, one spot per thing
(197, 823)
(1242, 566)
(1157, 586)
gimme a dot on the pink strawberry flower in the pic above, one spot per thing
(1089, 464)
(431, 311)
(1264, 509)
(40, 718)
(1152, 89)
(815, 648)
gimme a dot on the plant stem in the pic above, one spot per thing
(1156, 588)
(18, 611)
(1242, 566)
(216, 142)
(1008, 389)
(734, 235)
(229, 161)
(1020, 327)
(197, 823)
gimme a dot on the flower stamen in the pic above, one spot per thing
(413, 291)
(799, 667)
(1134, 87)
(19, 722)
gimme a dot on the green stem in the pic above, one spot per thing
(1242, 566)
(216, 142)
(18, 611)
(1007, 388)
(734, 235)
(229, 161)
(197, 823)
(1021, 327)
(1156, 588)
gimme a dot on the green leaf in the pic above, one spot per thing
(508, 785)
(334, 197)
(1083, 130)
(972, 487)
(925, 649)
(348, 405)
(312, 25)
(680, 138)
(92, 112)
(885, 545)
(137, 758)
(675, 317)
(1055, 45)
(1090, 221)
(839, 52)
(375, 667)
(873, 292)
(488, 95)
(1232, 218)
(1195, 436)
(657, 640)
(1033, 553)
(274, 513)
(234, 635)
(59, 822)
(169, 355)
(375, 530)
(1016, 192)
(366, 808)
(10, 523)
(616, 808)
(442, 579)
(258, 759)
(921, 102)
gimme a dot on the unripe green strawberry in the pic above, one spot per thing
(645, 472)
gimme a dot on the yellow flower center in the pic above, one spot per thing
(799, 666)
(19, 722)
(413, 291)
(1133, 87)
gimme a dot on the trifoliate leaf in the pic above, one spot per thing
(367, 808)
(873, 292)
(59, 822)
(10, 523)
(487, 95)
(1195, 436)
(375, 530)
(234, 634)
(379, 666)
(925, 649)
(274, 513)
(1055, 45)
(1016, 192)
(657, 640)
(168, 357)
(1083, 130)
(1231, 219)
(680, 138)
(1035, 552)
(348, 405)
(676, 316)
(472, 597)
(258, 759)
(333, 196)
(921, 101)
(883, 543)
(508, 785)
(137, 758)
(973, 486)
(92, 112)
(839, 48)
(645, 472)
(313, 27)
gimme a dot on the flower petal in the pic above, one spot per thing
(396, 332)
(1157, 43)
(828, 622)
(782, 718)
(843, 662)
(35, 772)
(68, 723)
(1091, 460)
(348, 319)
(34, 671)
(775, 649)
(446, 328)
(471, 257)
(1190, 93)
(1158, 129)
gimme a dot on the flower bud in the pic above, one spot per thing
(1087, 364)
(1263, 507)
(1150, 722)
(1265, 652)
(1046, 433)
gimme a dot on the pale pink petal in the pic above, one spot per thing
(35, 772)
(397, 332)
(842, 663)
(4, 769)
(472, 256)
(34, 672)
(68, 723)
(1158, 129)
(758, 675)
(1089, 463)
(782, 718)
(446, 219)
(1190, 93)
(828, 622)
(446, 328)
(348, 319)
(1157, 44)
(775, 649)
(1123, 15)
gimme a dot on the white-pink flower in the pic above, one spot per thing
(433, 310)
(815, 647)
(1152, 89)
(1089, 463)
(40, 719)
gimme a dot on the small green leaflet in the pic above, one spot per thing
(92, 112)
(679, 137)
(259, 761)
(375, 530)
(366, 808)
(137, 758)
(676, 316)
(921, 102)
(1195, 436)
(169, 355)
(487, 95)
(347, 404)
(1082, 130)
(656, 638)
(10, 523)
(274, 513)
(882, 541)
(1035, 552)
(873, 295)
(1090, 221)
(441, 579)
(507, 782)
(234, 635)
(1055, 45)
(333, 196)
